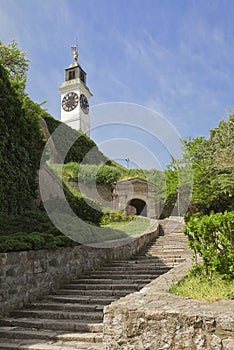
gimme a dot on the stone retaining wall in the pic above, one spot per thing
(24, 276)
(153, 319)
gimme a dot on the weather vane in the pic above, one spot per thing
(75, 52)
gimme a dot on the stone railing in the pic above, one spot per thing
(25, 276)
(156, 319)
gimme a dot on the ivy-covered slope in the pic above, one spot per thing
(21, 144)
(83, 150)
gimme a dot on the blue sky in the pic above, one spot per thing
(172, 56)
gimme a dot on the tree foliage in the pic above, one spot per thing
(212, 237)
(213, 169)
(15, 63)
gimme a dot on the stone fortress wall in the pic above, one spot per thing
(25, 276)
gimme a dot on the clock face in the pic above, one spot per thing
(70, 101)
(84, 104)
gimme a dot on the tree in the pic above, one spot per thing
(213, 169)
(15, 63)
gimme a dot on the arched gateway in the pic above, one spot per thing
(135, 196)
(138, 206)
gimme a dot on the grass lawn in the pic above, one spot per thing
(139, 225)
(200, 287)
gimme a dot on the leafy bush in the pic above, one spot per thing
(116, 216)
(212, 237)
(27, 222)
(85, 208)
(70, 171)
(31, 230)
(103, 174)
(33, 241)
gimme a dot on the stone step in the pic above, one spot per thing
(154, 263)
(168, 246)
(62, 325)
(156, 259)
(164, 246)
(109, 282)
(172, 259)
(27, 333)
(65, 306)
(170, 243)
(134, 266)
(122, 275)
(92, 288)
(164, 249)
(101, 286)
(139, 272)
(168, 253)
(101, 300)
(171, 239)
(94, 292)
(138, 277)
(168, 240)
(30, 344)
(58, 314)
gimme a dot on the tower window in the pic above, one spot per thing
(71, 75)
(82, 76)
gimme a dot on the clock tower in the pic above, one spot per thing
(75, 97)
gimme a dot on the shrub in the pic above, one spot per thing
(85, 208)
(103, 174)
(212, 237)
(31, 230)
(115, 216)
(33, 241)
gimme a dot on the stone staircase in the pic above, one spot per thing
(71, 318)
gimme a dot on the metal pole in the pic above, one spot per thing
(127, 160)
(178, 200)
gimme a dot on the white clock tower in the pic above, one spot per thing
(75, 97)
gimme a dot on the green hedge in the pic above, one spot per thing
(31, 230)
(212, 237)
(33, 241)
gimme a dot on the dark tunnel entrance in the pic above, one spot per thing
(139, 205)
